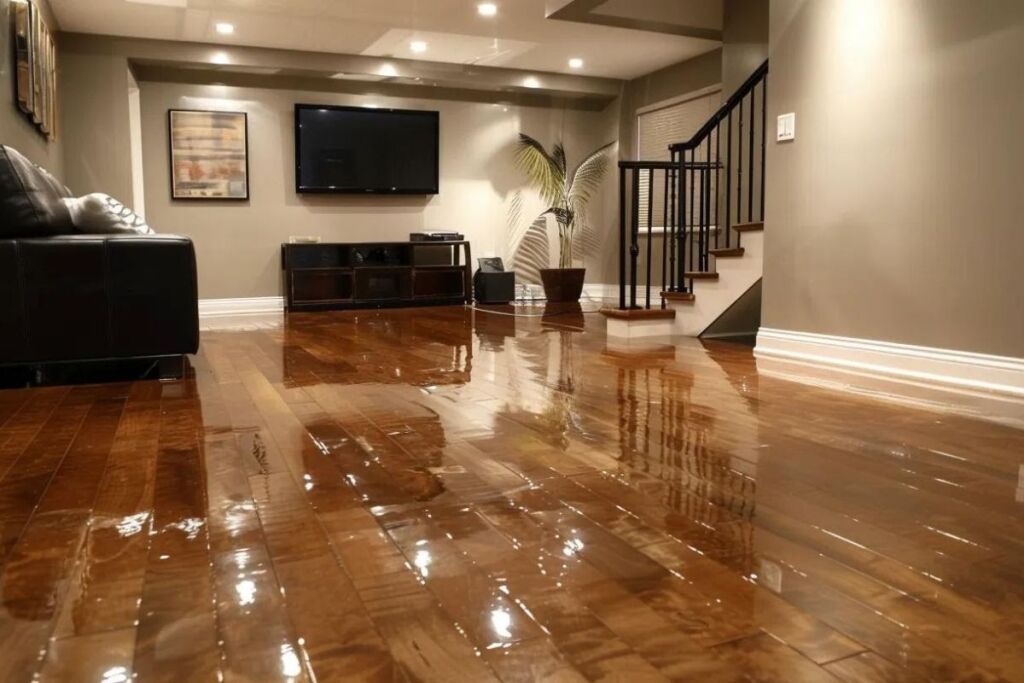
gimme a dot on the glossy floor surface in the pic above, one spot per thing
(450, 495)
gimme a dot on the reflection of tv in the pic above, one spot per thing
(359, 150)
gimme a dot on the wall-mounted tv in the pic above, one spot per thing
(358, 150)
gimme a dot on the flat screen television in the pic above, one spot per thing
(357, 150)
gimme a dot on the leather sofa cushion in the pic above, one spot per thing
(30, 199)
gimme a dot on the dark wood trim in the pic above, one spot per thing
(678, 296)
(701, 275)
(639, 313)
(732, 252)
(749, 227)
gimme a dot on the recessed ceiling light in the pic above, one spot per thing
(487, 9)
(531, 82)
(418, 46)
(575, 63)
(224, 28)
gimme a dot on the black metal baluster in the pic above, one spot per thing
(750, 189)
(634, 247)
(701, 244)
(728, 180)
(739, 167)
(650, 223)
(664, 236)
(693, 212)
(681, 223)
(671, 218)
(764, 134)
(718, 180)
(622, 237)
(707, 201)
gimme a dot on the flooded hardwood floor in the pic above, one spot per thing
(446, 495)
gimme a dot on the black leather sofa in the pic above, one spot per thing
(74, 298)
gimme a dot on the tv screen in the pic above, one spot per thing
(360, 150)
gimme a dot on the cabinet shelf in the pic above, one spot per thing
(375, 274)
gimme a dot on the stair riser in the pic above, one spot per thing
(713, 297)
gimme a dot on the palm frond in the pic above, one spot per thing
(558, 154)
(588, 176)
(541, 169)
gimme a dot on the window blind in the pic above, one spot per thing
(661, 127)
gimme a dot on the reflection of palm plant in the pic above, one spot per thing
(566, 194)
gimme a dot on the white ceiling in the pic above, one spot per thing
(520, 37)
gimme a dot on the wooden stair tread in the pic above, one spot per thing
(639, 313)
(701, 275)
(678, 296)
(749, 227)
(728, 252)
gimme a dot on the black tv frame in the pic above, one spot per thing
(299, 189)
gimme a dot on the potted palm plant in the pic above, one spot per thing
(567, 195)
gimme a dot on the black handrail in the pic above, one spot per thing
(692, 201)
(730, 104)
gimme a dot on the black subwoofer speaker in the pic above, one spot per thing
(494, 288)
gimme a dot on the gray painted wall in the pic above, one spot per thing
(15, 129)
(94, 96)
(895, 215)
(744, 41)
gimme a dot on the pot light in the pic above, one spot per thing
(575, 63)
(418, 46)
(487, 9)
(224, 28)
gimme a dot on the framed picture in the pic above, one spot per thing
(35, 69)
(21, 16)
(51, 85)
(209, 153)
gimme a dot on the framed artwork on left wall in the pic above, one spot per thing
(35, 69)
(209, 154)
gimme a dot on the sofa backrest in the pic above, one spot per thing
(30, 199)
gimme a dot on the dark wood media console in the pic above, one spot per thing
(376, 274)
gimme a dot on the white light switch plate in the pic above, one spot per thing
(786, 128)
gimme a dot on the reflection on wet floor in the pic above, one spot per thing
(456, 494)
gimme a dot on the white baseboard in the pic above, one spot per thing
(261, 305)
(961, 369)
(598, 291)
(214, 308)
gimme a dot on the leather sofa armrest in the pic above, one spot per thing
(154, 304)
(87, 297)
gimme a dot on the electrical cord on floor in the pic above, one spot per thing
(477, 307)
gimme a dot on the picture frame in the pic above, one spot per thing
(35, 68)
(209, 154)
(21, 17)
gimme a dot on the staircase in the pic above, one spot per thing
(691, 229)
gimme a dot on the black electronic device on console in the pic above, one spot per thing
(436, 237)
(492, 284)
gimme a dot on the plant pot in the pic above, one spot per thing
(562, 284)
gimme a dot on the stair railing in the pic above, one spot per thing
(697, 215)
